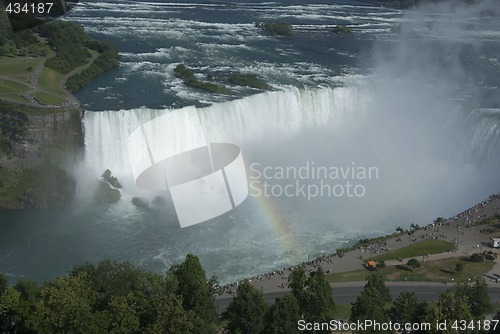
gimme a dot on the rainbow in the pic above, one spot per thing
(277, 224)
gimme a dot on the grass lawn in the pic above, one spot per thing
(12, 87)
(421, 248)
(15, 97)
(17, 65)
(430, 271)
(444, 270)
(46, 98)
(51, 82)
(349, 276)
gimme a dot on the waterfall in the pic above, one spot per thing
(256, 118)
(420, 140)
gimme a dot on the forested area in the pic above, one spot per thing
(11, 43)
(117, 297)
(112, 298)
(106, 60)
(67, 40)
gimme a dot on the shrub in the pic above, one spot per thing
(181, 71)
(476, 257)
(341, 30)
(249, 80)
(277, 28)
(489, 257)
(414, 263)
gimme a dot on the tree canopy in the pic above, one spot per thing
(246, 314)
(111, 297)
(370, 303)
(114, 297)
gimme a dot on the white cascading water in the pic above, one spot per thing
(255, 119)
(433, 157)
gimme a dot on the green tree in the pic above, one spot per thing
(413, 263)
(370, 303)
(9, 299)
(297, 281)
(4, 283)
(451, 307)
(282, 317)
(134, 298)
(112, 279)
(246, 313)
(313, 293)
(66, 306)
(459, 266)
(478, 299)
(319, 298)
(26, 317)
(375, 287)
(194, 289)
(171, 318)
(476, 257)
(408, 309)
(368, 308)
(123, 315)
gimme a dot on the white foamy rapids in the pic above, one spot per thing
(251, 120)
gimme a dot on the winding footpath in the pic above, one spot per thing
(70, 100)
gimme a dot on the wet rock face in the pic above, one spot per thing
(35, 148)
(26, 137)
(13, 125)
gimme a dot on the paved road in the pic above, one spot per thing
(348, 294)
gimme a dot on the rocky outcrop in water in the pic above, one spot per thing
(108, 177)
(140, 202)
(105, 193)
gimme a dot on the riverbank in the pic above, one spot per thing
(470, 231)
